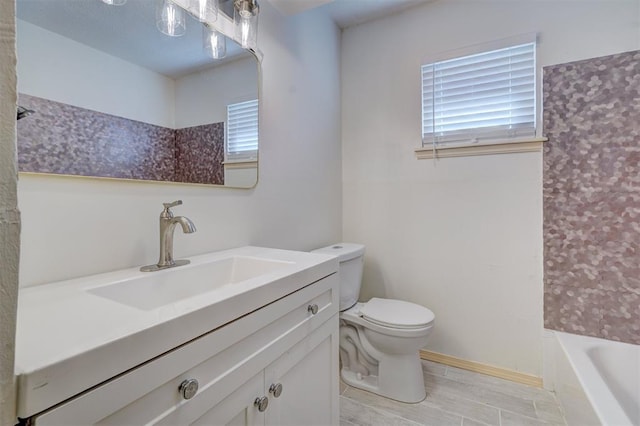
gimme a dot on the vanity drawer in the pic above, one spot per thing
(221, 361)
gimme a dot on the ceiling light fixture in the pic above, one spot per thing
(245, 17)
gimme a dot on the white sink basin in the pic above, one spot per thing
(154, 290)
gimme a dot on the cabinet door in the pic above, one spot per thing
(238, 408)
(308, 374)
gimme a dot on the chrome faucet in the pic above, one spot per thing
(167, 226)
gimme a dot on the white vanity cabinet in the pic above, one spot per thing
(284, 353)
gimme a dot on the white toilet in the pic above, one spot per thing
(380, 340)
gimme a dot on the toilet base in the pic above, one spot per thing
(400, 378)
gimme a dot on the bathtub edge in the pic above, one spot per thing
(561, 377)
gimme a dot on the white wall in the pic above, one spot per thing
(244, 176)
(202, 97)
(59, 69)
(74, 226)
(462, 236)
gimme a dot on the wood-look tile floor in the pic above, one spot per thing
(454, 397)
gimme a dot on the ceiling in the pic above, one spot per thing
(347, 12)
(129, 31)
(292, 7)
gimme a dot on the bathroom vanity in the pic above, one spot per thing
(243, 336)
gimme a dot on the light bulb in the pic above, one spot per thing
(170, 19)
(114, 2)
(245, 31)
(204, 10)
(214, 43)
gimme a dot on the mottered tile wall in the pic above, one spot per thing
(591, 197)
(68, 140)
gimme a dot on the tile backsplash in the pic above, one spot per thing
(68, 140)
(591, 194)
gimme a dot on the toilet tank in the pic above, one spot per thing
(351, 258)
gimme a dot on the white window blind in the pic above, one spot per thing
(490, 95)
(242, 131)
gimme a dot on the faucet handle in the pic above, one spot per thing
(167, 206)
(166, 213)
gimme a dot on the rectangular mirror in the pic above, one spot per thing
(114, 97)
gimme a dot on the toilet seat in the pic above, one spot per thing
(397, 314)
(354, 316)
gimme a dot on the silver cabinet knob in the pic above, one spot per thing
(188, 388)
(313, 309)
(262, 403)
(275, 389)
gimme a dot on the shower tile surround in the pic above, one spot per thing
(68, 140)
(591, 191)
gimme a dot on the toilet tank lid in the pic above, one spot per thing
(344, 251)
(396, 313)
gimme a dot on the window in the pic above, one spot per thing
(242, 131)
(484, 96)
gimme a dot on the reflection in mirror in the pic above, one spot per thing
(114, 97)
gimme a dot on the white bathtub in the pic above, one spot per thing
(609, 375)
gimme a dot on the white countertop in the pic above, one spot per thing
(69, 339)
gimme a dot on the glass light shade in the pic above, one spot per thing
(245, 17)
(115, 2)
(170, 18)
(214, 43)
(204, 10)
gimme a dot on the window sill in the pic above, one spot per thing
(482, 148)
(248, 164)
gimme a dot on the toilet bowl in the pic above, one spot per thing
(380, 340)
